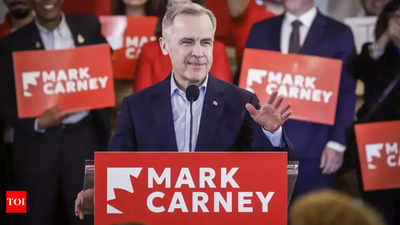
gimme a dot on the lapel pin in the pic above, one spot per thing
(80, 39)
(37, 44)
(215, 103)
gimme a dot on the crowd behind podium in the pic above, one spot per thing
(45, 155)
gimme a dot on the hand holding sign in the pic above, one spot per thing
(270, 116)
(51, 117)
(84, 201)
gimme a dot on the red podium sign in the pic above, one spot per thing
(378, 148)
(127, 35)
(73, 79)
(191, 188)
(309, 84)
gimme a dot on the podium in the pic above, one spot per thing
(192, 188)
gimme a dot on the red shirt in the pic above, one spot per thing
(242, 25)
(5, 27)
(152, 66)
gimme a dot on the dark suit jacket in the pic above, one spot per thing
(28, 38)
(145, 122)
(326, 38)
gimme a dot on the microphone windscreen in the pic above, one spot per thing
(192, 93)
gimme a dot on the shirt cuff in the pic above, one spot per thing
(37, 128)
(336, 146)
(275, 138)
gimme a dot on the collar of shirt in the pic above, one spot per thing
(58, 38)
(176, 91)
(306, 20)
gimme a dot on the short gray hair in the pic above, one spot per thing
(189, 8)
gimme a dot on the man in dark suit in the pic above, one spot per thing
(224, 118)
(50, 150)
(304, 30)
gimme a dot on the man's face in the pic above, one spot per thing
(189, 43)
(298, 7)
(47, 10)
(374, 7)
(18, 8)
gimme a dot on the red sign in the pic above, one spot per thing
(378, 148)
(126, 36)
(73, 79)
(15, 201)
(191, 188)
(309, 84)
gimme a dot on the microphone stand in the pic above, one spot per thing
(192, 94)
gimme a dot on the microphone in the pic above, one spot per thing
(192, 94)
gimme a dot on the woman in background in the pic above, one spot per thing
(377, 66)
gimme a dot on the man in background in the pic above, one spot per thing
(19, 14)
(304, 30)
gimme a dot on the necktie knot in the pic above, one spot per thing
(296, 24)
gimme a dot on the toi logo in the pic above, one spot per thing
(15, 201)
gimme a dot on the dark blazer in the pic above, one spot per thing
(145, 122)
(28, 38)
(326, 38)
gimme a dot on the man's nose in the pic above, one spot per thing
(197, 50)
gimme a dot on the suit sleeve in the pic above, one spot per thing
(220, 67)
(124, 137)
(346, 98)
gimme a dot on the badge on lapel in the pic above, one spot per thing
(81, 39)
(38, 45)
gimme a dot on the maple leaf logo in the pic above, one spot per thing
(373, 151)
(120, 180)
(29, 78)
(256, 82)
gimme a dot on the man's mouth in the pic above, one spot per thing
(49, 6)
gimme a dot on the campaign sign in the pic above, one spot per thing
(127, 35)
(309, 84)
(73, 79)
(378, 149)
(191, 188)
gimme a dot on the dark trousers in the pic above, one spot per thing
(50, 166)
(310, 178)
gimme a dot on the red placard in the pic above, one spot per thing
(378, 148)
(309, 84)
(73, 79)
(191, 188)
(126, 36)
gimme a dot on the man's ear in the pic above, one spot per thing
(163, 45)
